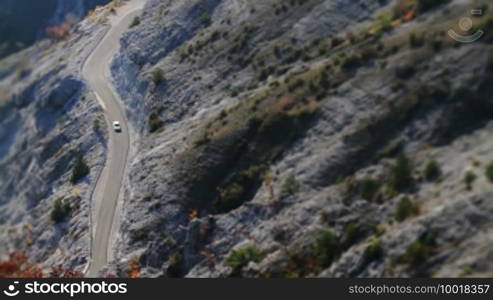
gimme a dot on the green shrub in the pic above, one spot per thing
(336, 41)
(415, 253)
(405, 208)
(239, 258)
(60, 210)
(432, 170)
(235, 93)
(416, 41)
(96, 126)
(419, 251)
(368, 187)
(157, 76)
(382, 23)
(326, 248)
(347, 194)
(379, 230)
(401, 173)
(155, 123)
(299, 83)
(374, 250)
(469, 179)
(437, 42)
(392, 149)
(223, 114)
(135, 22)
(216, 35)
(352, 233)
(289, 187)
(237, 189)
(230, 197)
(405, 71)
(324, 82)
(369, 52)
(489, 172)
(80, 169)
(306, 57)
(294, 57)
(266, 72)
(466, 271)
(425, 5)
(203, 140)
(205, 19)
(353, 61)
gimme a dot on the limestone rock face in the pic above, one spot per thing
(46, 120)
(369, 91)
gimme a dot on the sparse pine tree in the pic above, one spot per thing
(80, 169)
(401, 173)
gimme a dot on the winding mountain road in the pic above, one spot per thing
(106, 193)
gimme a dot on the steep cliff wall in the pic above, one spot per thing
(309, 131)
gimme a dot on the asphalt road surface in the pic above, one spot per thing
(106, 193)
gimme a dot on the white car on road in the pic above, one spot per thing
(117, 126)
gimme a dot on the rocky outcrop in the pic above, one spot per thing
(47, 121)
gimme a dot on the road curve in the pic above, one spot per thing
(107, 190)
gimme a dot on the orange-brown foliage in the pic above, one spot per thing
(60, 32)
(18, 265)
(134, 270)
(59, 272)
(193, 214)
(405, 9)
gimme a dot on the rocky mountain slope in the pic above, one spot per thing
(273, 139)
(49, 121)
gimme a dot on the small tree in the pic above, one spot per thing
(368, 187)
(401, 173)
(416, 254)
(239, 258)
(382, 23)
(489, 172)
(352, 233)
(416, 41)
(80, 169)
(96, 126)
(420, 250)
(289, 187)
(327, 247)
(205, 19)
(469, 179)
(135, 22)
(405, 208)
(374, 250)
(155, 123)
(157, 76)
(432, 170)
(60, 210)
(352, 61)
